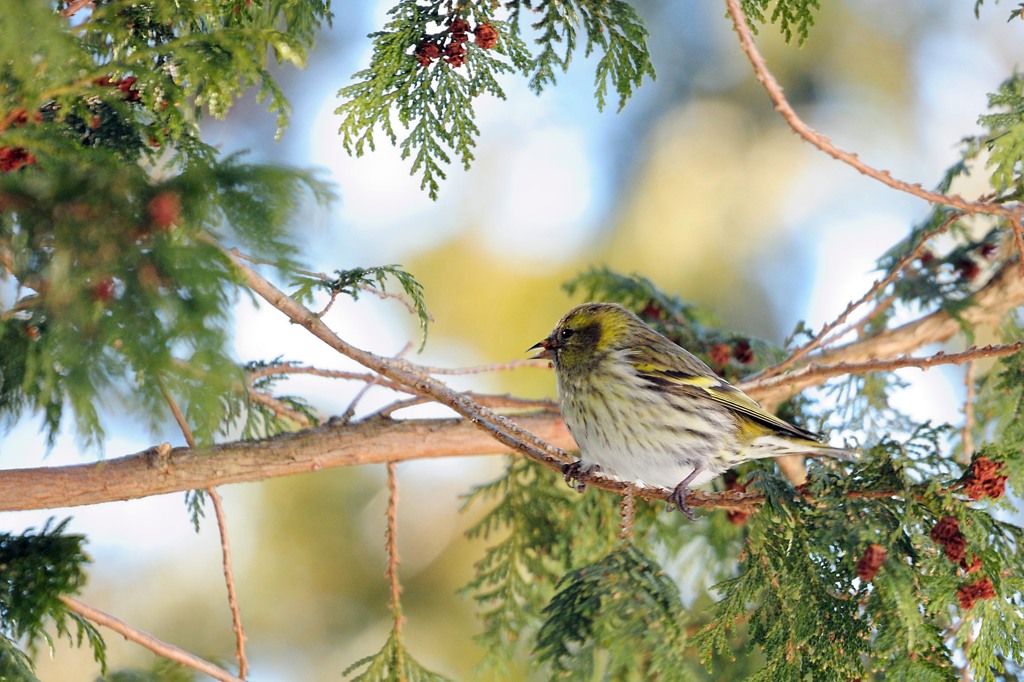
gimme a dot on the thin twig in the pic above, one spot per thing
(225, 545)
(74, 7)
(627, 511)
(229, 581)
(967, 439)
(290, 368)
(774, 90)
(12, 116)
(482, 369)
(391, 545)
(350, 411)
(494, 402)
(385, 295)
(330, 304)
(901, 362)
(279, 408)
(503, 430)
(1018, 238)
(879, 285)
(144, 639)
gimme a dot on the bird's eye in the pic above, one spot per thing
(565, 333)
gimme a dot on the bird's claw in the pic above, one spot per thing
(573, 472)
(677, 500)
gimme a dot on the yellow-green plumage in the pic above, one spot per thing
(643, 409)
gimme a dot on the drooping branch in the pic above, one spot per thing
(225, 542)
(782, 105)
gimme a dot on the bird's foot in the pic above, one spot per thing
(572, 474)
(677, 500)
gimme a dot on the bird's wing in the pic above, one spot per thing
(723, 393)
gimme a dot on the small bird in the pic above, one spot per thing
(641, 408)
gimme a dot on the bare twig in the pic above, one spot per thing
(821, 372)
(225, 545)
(1018, 238)
(229, 581)
(496, 367)
(279, 408)
(385, 295)
(290, 368)
(774, 90)
(401, 372)
(627, 512)
(74, 7)
(967, 438)
(391, 545)
(987, 306)
(350, 411)
(879, 285)
(159, 647)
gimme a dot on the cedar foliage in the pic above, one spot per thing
(899, 565)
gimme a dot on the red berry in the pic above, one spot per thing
(13, 158)
(719, 354)
(104, 290)
(427, 52)
(486, 36)
(984, 479)
(743, 352)
(967, 268)
(968, 594)
(455, 54)
(164, 210)
(867, 567)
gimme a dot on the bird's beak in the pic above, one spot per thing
(547, 351)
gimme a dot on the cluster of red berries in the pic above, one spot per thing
(721, 353)
(966, 266)
(451, 45)
(984, 480)
(947, 533)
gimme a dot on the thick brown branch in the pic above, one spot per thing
(153, 472)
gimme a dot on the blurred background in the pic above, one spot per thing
(697, 185)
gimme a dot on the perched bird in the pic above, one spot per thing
(643, 409)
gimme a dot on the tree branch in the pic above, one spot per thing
(154, 472)
(159, 647)
(161, 470)
(774, 90)
(1001, 294)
